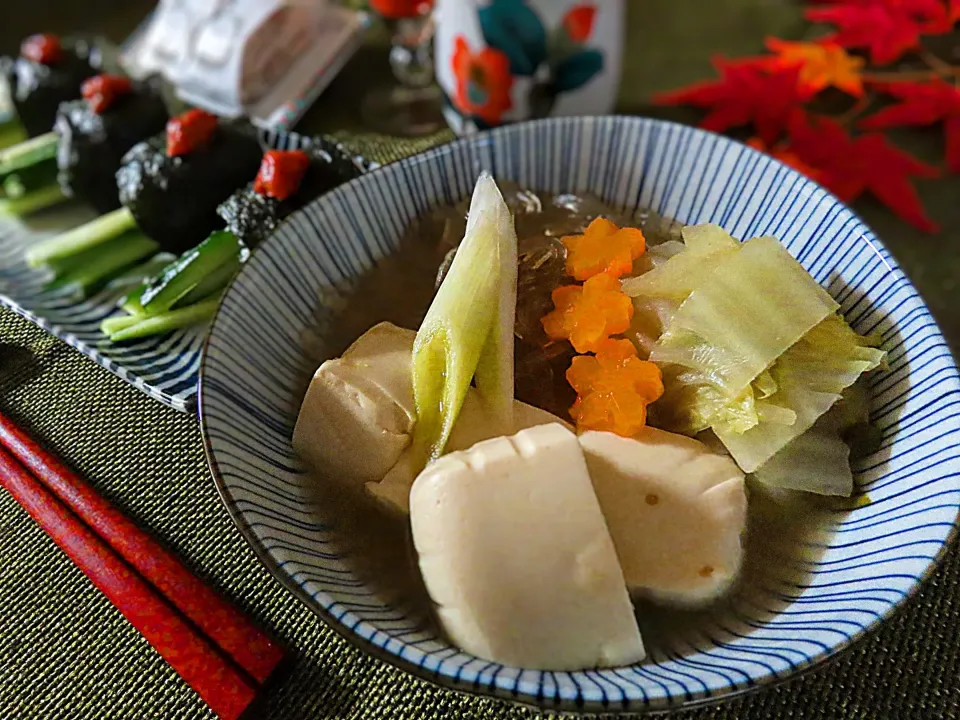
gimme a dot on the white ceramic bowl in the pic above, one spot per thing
(259, 358)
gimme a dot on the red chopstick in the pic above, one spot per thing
(224, 624)
(218, 681)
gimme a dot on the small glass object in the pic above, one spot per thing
(412, 106)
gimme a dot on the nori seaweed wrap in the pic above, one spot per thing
(175, 199)
(92, 145)
(252, 217)
(37, 89)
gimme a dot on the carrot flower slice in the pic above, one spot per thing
(589, 314)
(603, 248)
(613, 388)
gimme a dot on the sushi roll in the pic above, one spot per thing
(47, 72)
(79, 158)
(287, 180)
(96, 132)
(187, 290)
(172, 183)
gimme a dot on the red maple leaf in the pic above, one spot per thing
(747, 93)
(849, 167)
(943, 23)
(887, 28)
(923, 104)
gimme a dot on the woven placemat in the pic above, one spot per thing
(65, 652)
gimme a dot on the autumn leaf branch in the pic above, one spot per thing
(780, 96)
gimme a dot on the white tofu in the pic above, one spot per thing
(676, 512)
(515, 553)
(358, 414)
(474, 424)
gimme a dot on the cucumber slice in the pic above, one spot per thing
(187, 272)
(25, 180)
(11, 133)
(143, 272)
(212, 284)
(30, 152)
(32, 201)
(94, 268)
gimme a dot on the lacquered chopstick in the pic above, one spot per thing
(223, 623)
(221, 684)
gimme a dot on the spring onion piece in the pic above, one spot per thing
(494, 374)
(164, 322)
(755, 304)
(90, 235)
(457, 325)
(115, 324)
(130, 303)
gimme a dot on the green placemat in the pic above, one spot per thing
(65, 652)
(387, 150)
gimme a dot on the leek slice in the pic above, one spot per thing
(494, 376)
(464, 315)
(755, 305)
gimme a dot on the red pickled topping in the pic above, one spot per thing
(100, 91)
(189, 131)
(281, 172)
(44, 49)
(400, 9)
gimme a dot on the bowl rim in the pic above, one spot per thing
(580, 707)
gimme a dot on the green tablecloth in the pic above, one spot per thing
(66, 653)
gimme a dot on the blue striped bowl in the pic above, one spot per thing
(256, 367)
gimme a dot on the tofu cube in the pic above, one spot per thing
(676, 512)
(516, 555)
(358, 414)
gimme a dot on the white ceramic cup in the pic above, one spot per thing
(500, 61)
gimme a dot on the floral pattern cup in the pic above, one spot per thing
(499, 61)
